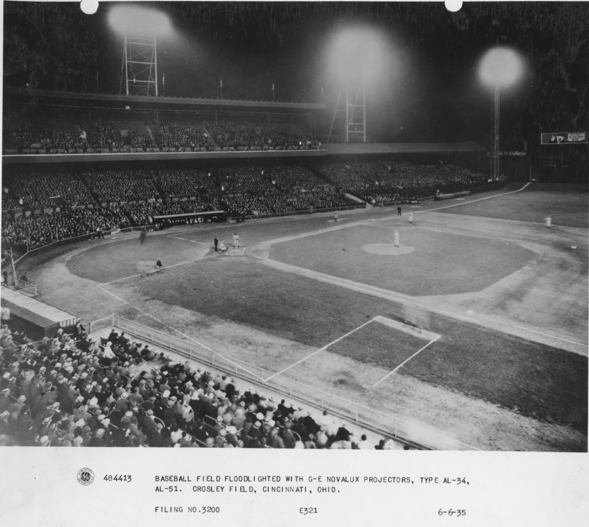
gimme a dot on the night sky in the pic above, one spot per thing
(428, 91)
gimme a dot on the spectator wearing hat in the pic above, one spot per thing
(288, 435)
(98, 438)
(255, 431)
(169, 415)
(156, 439)
(275, 440)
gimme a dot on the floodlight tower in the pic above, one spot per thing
(139, 69)
(356, 57)
(499, 68)
(140, 28)
(351, 108)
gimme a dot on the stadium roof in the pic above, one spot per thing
(467, 147)
(164, 101)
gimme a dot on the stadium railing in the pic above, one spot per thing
(407, 432)
(27, 288)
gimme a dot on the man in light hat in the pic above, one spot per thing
(169, 415)
(275, 440)
(255, 431)
(44, 441)
(288, 435)
(98, 438)
(231, 437)
(239, 419)
(148, 423)
(220, 439)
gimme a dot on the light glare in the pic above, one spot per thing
(139, 20)
(358, 52)
(500, 67)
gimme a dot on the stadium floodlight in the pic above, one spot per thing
(356, 57)
(140, 28)
(499, 68)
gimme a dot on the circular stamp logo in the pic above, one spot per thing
(85, 476)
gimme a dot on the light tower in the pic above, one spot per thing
(351, 109)
(356, 59)
(140, 29)
(499, 68)
(139, 69)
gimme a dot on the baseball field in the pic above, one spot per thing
(475, 327)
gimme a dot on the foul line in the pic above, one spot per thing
(405, 361)
(474, 200)
(112, 294)
(320, 349)
(185, 239)
(150, 273)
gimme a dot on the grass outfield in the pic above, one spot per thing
(441, 264)
(565, 204)
(536, 380)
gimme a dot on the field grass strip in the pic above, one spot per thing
(406, 361)
(319, 350)
(523, 328)
(393, 296)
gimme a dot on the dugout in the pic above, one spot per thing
(35, 319)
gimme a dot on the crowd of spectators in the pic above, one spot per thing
(402, 181)
(42, 137)
(37, 230)
(177, 136)
(75, 391)
(105, 136)
(122, 185)
(187, 182)
(231, 135)
(251, 179)
(140, 139)
(135, 197)
(284, 202)
(285, 138)
(342, 176)
(296, 177)
(33, 189)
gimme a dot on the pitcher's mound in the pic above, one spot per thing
(387, 249)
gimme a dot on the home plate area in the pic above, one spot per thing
(240, 251)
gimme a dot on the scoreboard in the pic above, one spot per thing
(565, 138)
